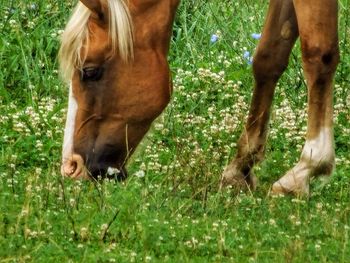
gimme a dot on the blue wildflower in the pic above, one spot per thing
(214, 38)
(246, 54)
(250, 61)
(248, 57)
(256, 35)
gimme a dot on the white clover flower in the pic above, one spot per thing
(317, 246)
(112, 171)
(272, 222)
(72, 202)
(24, 212)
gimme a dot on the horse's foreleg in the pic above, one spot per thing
(319, 42)
(270, 60)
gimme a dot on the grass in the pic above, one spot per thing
(174, 213)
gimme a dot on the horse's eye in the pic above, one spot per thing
(91, 74)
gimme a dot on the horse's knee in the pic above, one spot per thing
(267, 66)
(321, 58)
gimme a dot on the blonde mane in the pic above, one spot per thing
(76, 34)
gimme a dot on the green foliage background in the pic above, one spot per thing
(174, 213)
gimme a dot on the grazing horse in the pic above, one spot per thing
(114, 54)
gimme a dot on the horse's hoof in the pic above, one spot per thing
(232, 177)
(291, 184)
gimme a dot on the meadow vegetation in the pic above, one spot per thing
(170, 209)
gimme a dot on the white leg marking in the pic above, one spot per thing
(319, 150)
(316, 153)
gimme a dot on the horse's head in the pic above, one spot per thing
(119, 82)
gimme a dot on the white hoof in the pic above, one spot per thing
(295, 182)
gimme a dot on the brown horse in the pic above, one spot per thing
(114, 54)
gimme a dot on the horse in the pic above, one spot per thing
(114, 56)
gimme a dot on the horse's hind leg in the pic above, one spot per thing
(317, 22)
(271, 59)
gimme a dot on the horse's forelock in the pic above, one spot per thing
(120, 29)
(76, 33)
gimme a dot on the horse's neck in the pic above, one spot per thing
(152, 9)
(146, 4)
(152, 20)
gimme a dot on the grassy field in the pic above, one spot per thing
(170, 209)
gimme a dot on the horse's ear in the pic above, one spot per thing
(94, 5)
